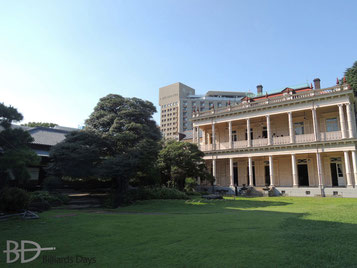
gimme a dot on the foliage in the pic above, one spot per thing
(39, 124)
(190, 184)
(52, 183)
(180, 160)
(15, 153)
(39, 205)
(351, 76)
(120, 141)
(147, 193)
(87, 185)
(13, 199)
(54, 199)
(78, 155)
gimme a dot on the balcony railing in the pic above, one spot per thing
(259, 142)
(328, 136)
(281, 140)
(324, 136)
(240, 144)
(206, 147)
(304, 138)
(223, 145)
(265, 101)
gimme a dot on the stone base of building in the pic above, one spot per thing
(315, 191)
(288, 191)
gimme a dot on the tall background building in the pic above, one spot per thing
(177, 102)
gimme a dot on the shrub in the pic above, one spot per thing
(146, 194)
(194, 194)
(190, 184)
(52, 183)
(54, 199)
(13, 199)
(168, 193)
(156, 193)
(39, 205)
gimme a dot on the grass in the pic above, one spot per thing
(246, 232)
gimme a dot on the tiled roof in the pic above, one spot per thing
(189, 135)
(47, 136)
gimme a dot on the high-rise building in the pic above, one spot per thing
(177, 102)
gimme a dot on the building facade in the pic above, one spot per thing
(299, 142)
(44, 139)
(178, 102)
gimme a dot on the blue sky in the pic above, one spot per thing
(57, 58)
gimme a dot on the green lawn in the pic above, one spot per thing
(246, 232)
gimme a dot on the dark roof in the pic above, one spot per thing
(47, 136)
(188, 135)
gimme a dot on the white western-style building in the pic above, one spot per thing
(300, 141)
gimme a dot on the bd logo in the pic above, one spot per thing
(13, 252)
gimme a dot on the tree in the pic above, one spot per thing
(120, 142)
(351, 76)
(15, 153)
(39, 124)
(78, 155)
(180, 160)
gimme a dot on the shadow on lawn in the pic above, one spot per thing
(281, 239)
(238, 203)
(315, 243)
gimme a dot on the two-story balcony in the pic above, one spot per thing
(328, 123)
(303, 138)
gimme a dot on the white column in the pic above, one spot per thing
(271, 171)
(315, 124)
(294, 171)
(342, 121)
(319, 170)
(351, 128)
(291, 127)
(230, 134)
(348, 169)
(231, 171)
(354, 165)
(213, 137)
(214, 171)
(204, 137)
(249, 143)
(269, 130)
(194, 134)
(250, 170)
(198, 137)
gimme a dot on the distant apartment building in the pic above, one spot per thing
(178, 102)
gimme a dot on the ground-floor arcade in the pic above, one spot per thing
(298, 172)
